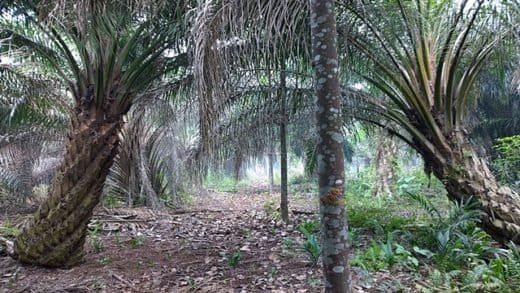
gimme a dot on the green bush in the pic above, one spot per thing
(465, 257)
(9, 230)
(272, 210)
(233, 259)
(385, 255)
(299, 179)
(309, 227)
(94, 236)
(420, 229)
(312, 247)
(507, 165)
(377, 214)
(417, 181)
(311, 243)
(361, 184)
(221, 183)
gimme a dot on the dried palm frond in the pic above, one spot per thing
(236, 41)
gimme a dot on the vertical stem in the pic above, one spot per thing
(284, 209)
(330, 147)
(385, 164)
(27, 160)
(270, 157)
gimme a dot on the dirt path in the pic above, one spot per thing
(222, 243)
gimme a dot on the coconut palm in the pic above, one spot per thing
(427, 75)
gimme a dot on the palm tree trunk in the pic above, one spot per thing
(25, 171)
(330, 156)
(55, 235)
(237, 166)
(270, 158)
(284, 208)
(26, 152)
(384, 161)
(466, 176)
(151, 198)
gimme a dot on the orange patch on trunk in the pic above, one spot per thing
(333, 197)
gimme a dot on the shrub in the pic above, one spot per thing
(312, 248)
(271, 209)
(309, 227)
(94, 236)
(233, 259)
(221, 183)
(507, 165)
(385, 255)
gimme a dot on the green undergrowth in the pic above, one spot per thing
(223, 183)
(9, 230)
(417, 232)
(437, 242)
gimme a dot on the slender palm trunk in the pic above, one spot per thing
(385, 168)
(466, 176)
(270, 158)
(25, 171)
(26, 152)
(151, 198)
(284, 208)
(237, 166)
(330, 147)
(55, 235)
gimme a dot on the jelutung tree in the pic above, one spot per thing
(330, 156)
(244, 40)
(106, 62)
(427, 75)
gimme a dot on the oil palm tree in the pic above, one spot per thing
(106, 65)
(234, 47)
(30, 116)
(427, 76)
(235, 37)
(498, 112)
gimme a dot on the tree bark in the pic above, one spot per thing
(330, 147)
(24, 155)
(465, 175)
(284, 209)
(270, 158)
(385, 167)
(237, 166)
(54, 237)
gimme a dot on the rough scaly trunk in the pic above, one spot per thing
(330, 147)
(55, 235)
(465, 175)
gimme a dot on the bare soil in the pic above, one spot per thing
(189, 250)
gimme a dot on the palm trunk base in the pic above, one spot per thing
(466, 177)
(55, 235)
